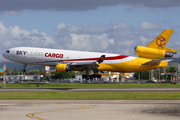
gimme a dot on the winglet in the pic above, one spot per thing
(101, 59)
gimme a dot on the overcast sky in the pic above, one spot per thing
(112, 26)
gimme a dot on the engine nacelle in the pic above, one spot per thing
(63, 67)
(151, 52)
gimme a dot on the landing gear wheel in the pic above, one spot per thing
(87, 77)
(96, 76)
(24, 70)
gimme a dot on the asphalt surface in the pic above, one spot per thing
(89, 109)
(122, 89)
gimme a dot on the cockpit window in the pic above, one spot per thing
(7, 51)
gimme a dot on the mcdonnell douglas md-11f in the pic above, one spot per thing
(149, 57)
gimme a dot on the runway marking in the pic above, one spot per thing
(31, 115)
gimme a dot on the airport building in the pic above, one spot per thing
(14, 78)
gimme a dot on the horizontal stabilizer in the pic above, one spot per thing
(170, 50)
(168, 60)
(153, 62)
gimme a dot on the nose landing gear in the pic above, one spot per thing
(24, 68)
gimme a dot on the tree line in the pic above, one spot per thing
(146, 75)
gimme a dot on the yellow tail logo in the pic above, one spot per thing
(161, 40)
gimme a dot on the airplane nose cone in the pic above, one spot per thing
(4, 55)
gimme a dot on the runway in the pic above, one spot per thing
(89, 109)
(94, 89)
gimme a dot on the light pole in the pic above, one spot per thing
(4, 74)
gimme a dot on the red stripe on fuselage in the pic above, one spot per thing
(106, 58)
(116, 57)
(88, 59)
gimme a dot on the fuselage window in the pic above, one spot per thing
(7, 51)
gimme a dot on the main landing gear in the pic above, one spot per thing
(90, 77)
(87, 77)
(24, 68)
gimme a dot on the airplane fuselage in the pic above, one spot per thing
(51, 57)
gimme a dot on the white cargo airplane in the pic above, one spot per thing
(68, 60)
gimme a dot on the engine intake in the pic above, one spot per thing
(151, 52)
(63, 67)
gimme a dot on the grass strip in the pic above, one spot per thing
(90, 95)
(80, 85)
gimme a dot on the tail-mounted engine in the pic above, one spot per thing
(63, 67)
(154, 53)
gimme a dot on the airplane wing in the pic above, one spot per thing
(90, 65)
(153, 62)
(100, 60)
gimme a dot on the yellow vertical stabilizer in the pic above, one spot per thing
(161, 40)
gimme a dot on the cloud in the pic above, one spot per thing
(14, 37)
(89, 42)
(82, 38)
(11, 12)
(118, 38)
(139, 5)
(12, 6)
(149, 26)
